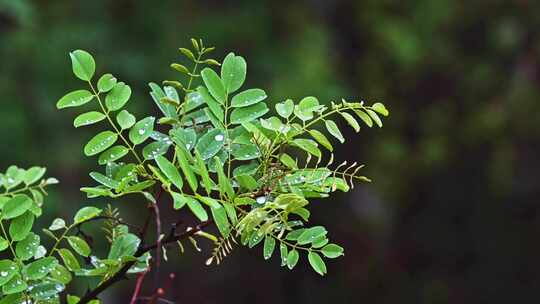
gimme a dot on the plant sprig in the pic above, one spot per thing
(217, 151)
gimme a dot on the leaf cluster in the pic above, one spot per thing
(218, 151)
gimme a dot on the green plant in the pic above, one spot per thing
(214, 152)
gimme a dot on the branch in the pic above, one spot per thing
(121, 274)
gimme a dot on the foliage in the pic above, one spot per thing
(216, 151)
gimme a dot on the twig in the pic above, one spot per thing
(158, 237)
(140, 279)
(121, 274)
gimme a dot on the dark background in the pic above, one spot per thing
(452, 215)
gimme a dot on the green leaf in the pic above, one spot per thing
(125, 119)
(285, 109)
(83, 64)
(210, 143)
(188, 53)
(170, 171)
(15, 285)
(332, 251)
(245, 152)
(321, 138)
(197, 117)
(46, 291)
(27, 248)
(61, 274)
(179, 200)
(248, 97)
(317, 263)
(139, 186)
(155, 149)
(311, 234)
(249, 168)
(186, 169)
(225, 186)
(124, 245)
(214, 85)
(57, 224)
(142, 130)
(105, 180)
(292, 258)
(247, 114)
(231, 213)
(89, 118)
(210, 202)
(8, 269)
(375, 117)
(69, 259)
(16, 206)
(233, 72)
(85, 214)
(113, 154)
(118, 96)
(380, 108)
(283, 253)
(247, 182)
(74, 99)
(106, 83)
(4, 244)
(213, 105)
(307, 145)
(21, 226)
(157, 94)
(79, 245)
(304, 110)
(41, 268)
(220, 218)
(367, 120)
(334, 130)
(274, 123)
(198, 210)
(100, 143)
(33, 174)
(193, 101)
(269, 245)
(351, 121)
(255, 238)
(303, 213)
(288, 161)
(203, 172)
(293, 235)
(320, 242)
(180, 68)
(184, 137)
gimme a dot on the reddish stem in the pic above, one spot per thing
(137, 291)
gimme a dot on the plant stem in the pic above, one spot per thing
(121, 274)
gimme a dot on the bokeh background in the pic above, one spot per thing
(453, 213)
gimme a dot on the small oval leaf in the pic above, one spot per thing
(83, 64)
(74, 99)
(89, 118)
(100, 143)
(248, 97)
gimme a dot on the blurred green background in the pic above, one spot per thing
(452, 215)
